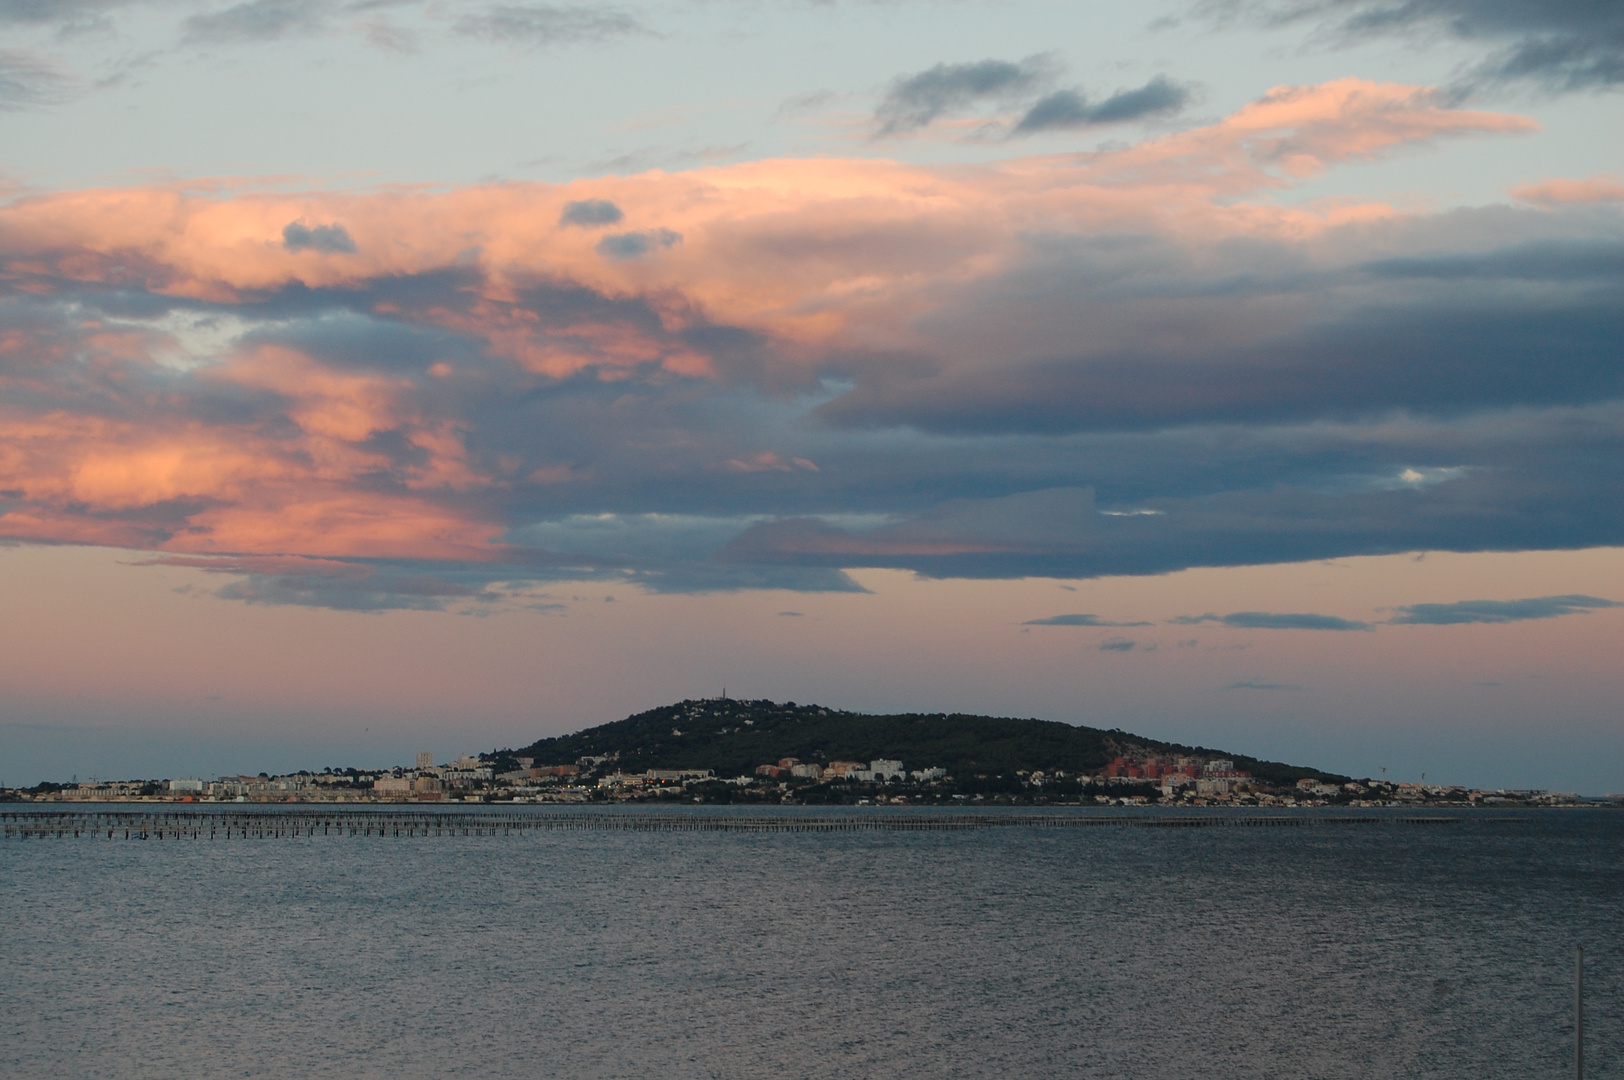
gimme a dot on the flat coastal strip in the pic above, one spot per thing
(233, 824)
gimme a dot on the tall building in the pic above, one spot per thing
(425, 759)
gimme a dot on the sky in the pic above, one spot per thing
(383, 376)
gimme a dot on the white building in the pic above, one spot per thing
(884, 769)
(1171, 784)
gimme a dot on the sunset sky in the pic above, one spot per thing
(389, 375)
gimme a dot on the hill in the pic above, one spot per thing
(733, 737)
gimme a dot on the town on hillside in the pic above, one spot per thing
(1182, 780)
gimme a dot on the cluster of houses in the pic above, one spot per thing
(880, 770)
(1126, 779)
(662, 781)
(1180, 776)
(431, 781)
(1190, 779)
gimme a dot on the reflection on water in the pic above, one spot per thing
(1376, 951)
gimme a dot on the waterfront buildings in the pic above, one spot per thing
(1124, 780)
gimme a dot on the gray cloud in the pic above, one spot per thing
(391, 38)
(1367, 349)
(1563, 45)
(378, 585)
(371, 585)
(384, 593)
(1078, 620)
(915, 101)
(1118, 644)
(1253, 684)
(540, 25)
(1543, 261)
(1276, 494)
(1499, 611)
(48, 12)
(1070, 109)
(634, 245)
(1266, 620)
(327, 239)
(28, 80)
(590, 212)
(257, 20)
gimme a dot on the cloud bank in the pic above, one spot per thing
(541, 25)
(914, 102)
(1066, 109)
(28, 80)
(1121, 362)
(1268, 620)
(256, 21)
(1078, 620)
(1499, 611)
(1568, 45)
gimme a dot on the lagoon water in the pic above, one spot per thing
(1378, 950)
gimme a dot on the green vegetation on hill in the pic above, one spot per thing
(733, 737)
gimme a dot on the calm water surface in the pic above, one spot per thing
(1385, 950)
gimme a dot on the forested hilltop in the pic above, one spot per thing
(734, 737)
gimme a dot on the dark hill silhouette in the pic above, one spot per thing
(733, 737)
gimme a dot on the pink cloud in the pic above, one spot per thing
(1603, 187)
(809, 257)
(247, 488)
(807, 250)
